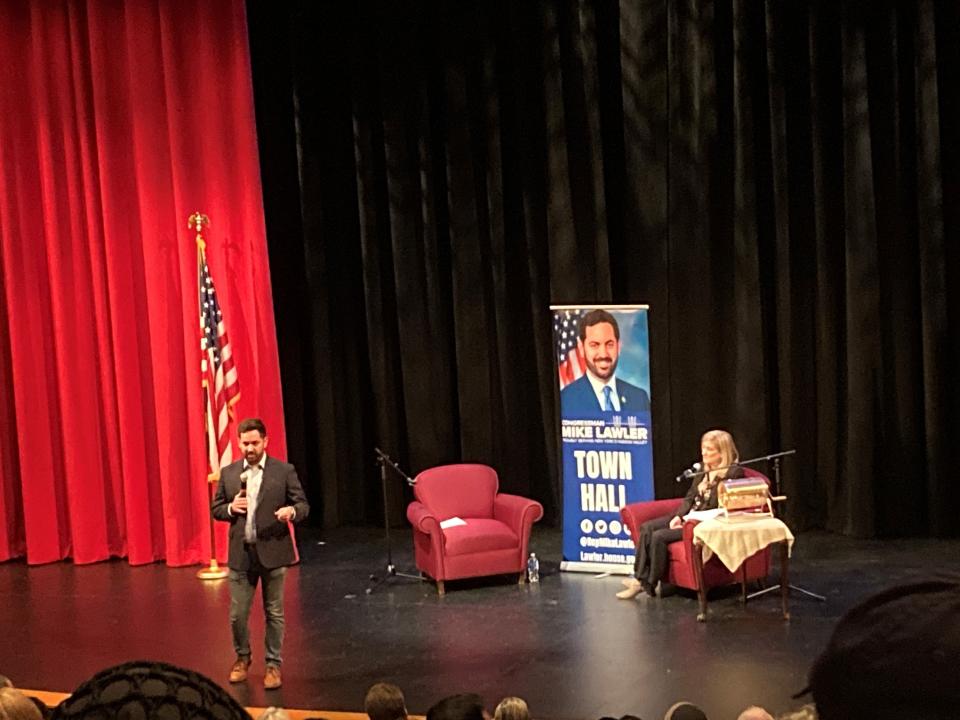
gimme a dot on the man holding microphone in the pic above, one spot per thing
(258, 496)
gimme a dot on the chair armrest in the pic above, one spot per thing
(687, 540)
(421, 518)
(519, 514)
(516, 512)
(636, 514)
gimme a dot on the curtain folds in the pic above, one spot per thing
(777, 180)
(116, 123)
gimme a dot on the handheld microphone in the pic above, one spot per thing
(244, 476)
(692, 470)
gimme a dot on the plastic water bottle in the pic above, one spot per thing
(533, 568)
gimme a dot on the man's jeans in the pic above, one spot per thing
(243, 585)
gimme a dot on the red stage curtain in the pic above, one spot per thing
(117, 120)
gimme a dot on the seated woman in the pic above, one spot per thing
(719, 463)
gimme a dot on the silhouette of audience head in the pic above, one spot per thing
(684, 711)
(512, 708)
(142, 690)
(274, 713)
(385, 702)
(14, 705)
(755, 713)
(468, 706)
(894, 655)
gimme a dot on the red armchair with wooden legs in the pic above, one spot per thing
(680, 568)
(495, 537)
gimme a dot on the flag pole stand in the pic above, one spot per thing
(213, 571)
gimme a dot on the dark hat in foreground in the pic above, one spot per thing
(896, 655)
(143, 690)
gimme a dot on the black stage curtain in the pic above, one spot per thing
(778, 180)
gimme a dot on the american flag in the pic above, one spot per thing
(221, 388)
(570, 362)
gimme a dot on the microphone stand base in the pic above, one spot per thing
(391, 572)
(790, 588)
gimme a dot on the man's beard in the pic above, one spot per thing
(591, 366)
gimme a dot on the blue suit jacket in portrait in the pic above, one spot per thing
(578, 398)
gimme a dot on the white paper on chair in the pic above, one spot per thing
(700, 515)
(452, 522)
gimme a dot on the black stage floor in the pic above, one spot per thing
(567, 646)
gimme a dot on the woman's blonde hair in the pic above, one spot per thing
(14, 705)
(512, 708)
(728, 451)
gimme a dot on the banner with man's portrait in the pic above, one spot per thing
(603, 363)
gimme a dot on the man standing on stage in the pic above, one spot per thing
(258, 496)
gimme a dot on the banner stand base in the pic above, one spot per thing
(591, 567)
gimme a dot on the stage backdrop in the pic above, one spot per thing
(605, 438)
(118, 120)
(780, 181)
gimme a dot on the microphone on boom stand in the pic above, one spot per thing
(385, 461)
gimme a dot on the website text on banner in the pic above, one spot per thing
(603, 362)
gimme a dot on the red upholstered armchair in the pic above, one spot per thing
(680, 570)
(494, 539)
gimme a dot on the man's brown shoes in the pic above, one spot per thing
(238, 673)
(271, 679)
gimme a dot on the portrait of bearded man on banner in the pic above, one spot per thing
(599, 389)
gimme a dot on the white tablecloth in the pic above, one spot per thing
(733, 541)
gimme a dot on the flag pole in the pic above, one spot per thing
(212, 571)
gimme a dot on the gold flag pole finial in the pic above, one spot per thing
(197, 221)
